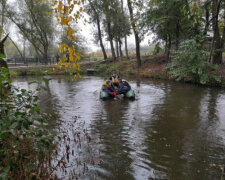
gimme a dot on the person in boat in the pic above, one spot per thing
(109, 88)
(124, 86)
(114, 78)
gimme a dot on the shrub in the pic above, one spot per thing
(101, 68)
(190, 62)
(25, 142)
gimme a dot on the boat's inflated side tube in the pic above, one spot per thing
(130, 94)
(104, 95)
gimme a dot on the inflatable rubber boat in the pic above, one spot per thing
(129, 95)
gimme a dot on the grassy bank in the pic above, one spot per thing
(35, 71)
(48, 70)
(154, 67)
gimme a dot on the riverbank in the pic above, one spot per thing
(153, 66)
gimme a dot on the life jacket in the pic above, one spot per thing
(115, 82)
(125, 83)
(105, 84)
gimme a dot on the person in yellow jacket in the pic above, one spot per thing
(109, 88)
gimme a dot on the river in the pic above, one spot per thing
(171, 131)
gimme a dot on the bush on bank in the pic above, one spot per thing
(190, 63)
(26, 145)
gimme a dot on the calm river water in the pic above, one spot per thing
(171, 131)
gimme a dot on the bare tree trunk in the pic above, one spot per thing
(2, 62)
(223, 37)
(168, 47)
(206, 17)
(126, 49)
(46, 54)
(117, 49)
(120, 48)
(24, 48)
(177, 34)
(16, 47)
(99, 30)
(3, 2)
(100, 39)
(137, 40)
(216, 50)
(111, 41)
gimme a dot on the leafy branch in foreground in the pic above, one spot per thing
(26, 145)
(190, 63)
(29, 149)
(68, 12)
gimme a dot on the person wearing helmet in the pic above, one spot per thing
(124, 86)
(109, 88)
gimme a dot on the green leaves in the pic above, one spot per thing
(32, 82)
(23, 129)
(190, 60)
(46, 79)
(14, 125)
(2, 56)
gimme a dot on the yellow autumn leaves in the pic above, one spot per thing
(68, 12)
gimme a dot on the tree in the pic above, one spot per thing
(126, 49)
(170, 21)
(2, 15)
(35, 24)
(78, 43)
(11, 46)
(116, 24)
(135, 30)
(94, 9)
(207, 15)
(67, 13)
(121, 27)
(109, 10)
(217, 43)
(2, 52)
(190, 62)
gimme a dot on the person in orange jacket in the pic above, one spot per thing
(109, 88)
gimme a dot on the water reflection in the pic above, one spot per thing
(171, 131)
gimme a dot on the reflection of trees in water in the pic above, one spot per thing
(212, 103)
(121, 126)
(114, 150)
(177, 143)
(54, 93)
(73, 129)
(141, 114)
